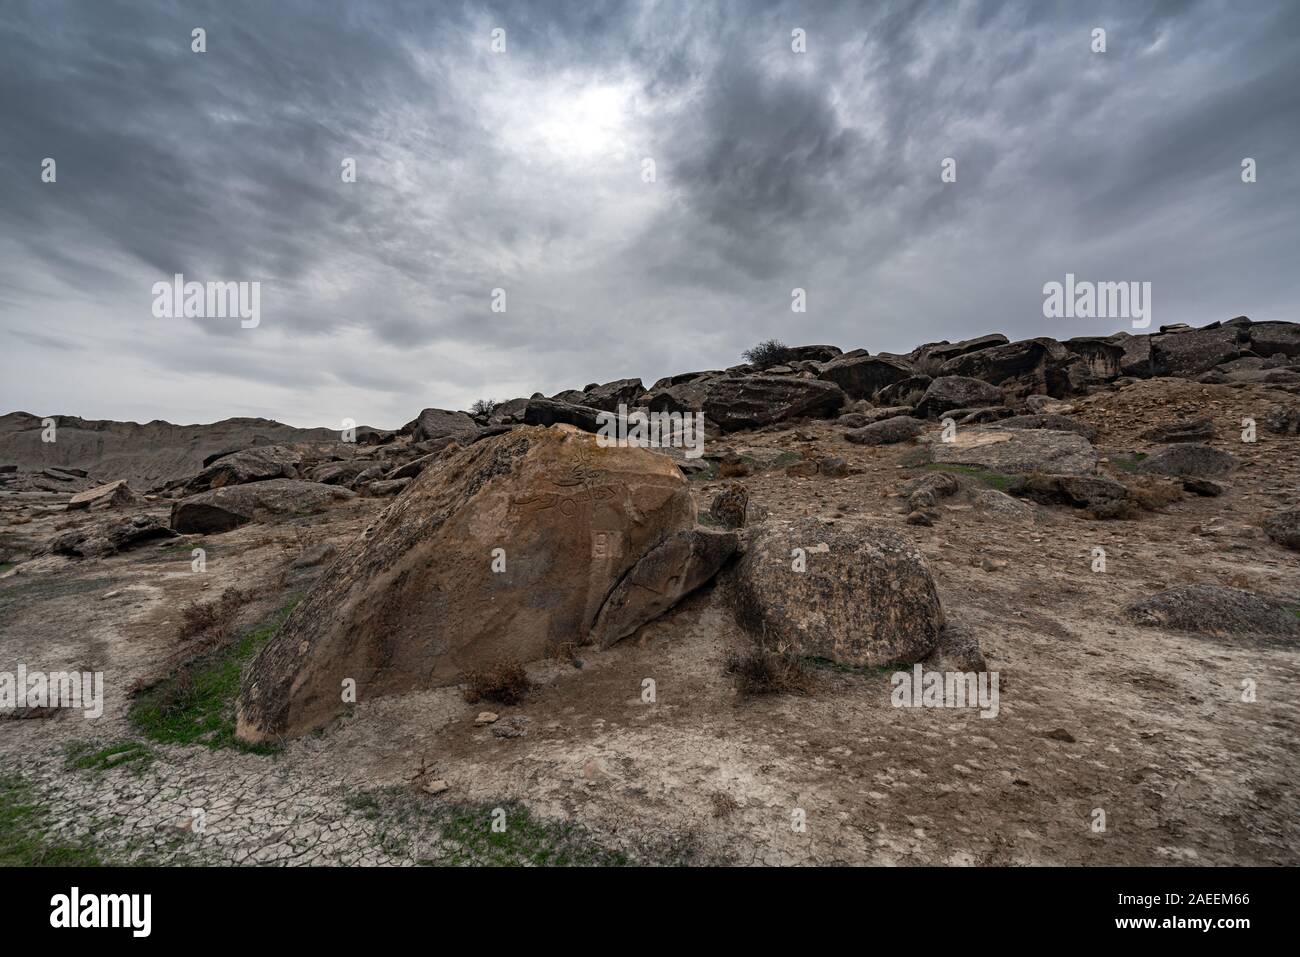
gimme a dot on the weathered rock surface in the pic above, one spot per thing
(1105, 497)
(1189, 459)
(865, 598)
(1214, 610)
(416, 602)
(221, 509)
(664, 576)
(1194, 430)
(1017, 451)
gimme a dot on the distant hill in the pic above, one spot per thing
(145, 455)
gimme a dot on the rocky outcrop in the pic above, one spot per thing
(746, 402)
(1046, 420)
(511, 548)
(222, 509)
(847, 590)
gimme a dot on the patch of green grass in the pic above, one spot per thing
(81, 757)
(1129, 463)
(786, 458)
(25, 838)
(707, 474)
(997, 480)
(196, 704)
(444, 833)
(5, 566)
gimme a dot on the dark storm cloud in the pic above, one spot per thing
(522, 171)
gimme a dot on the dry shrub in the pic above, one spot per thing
(762, 670)
(566, 651)
(723, 803)
(504, 681)
(1152, 492)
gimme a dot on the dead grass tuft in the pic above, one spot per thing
(504, 681)
(762, 670)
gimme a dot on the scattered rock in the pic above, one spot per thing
(864, 597)
(105, 538)
(260, 464)
(886, 431)
(1199, 430)
(1284, 528)
(1189, 460)
(1214, 610)
(113, 495)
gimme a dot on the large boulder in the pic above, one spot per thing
(1017, 451)
(1214, 610)
(222, 509)
(861, 377)
(747, 402)
(956, 392)
(511, 548)
(260, 464)
(1101, 360)
(441, 424)
(1188, 459)
(847, 590)
(1190, 353)
(113, 495)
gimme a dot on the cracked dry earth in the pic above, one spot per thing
(1155, 731)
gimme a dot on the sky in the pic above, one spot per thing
(504, 147)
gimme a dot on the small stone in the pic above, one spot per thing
(486, 717)
(1059, 734)
(436, 787)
